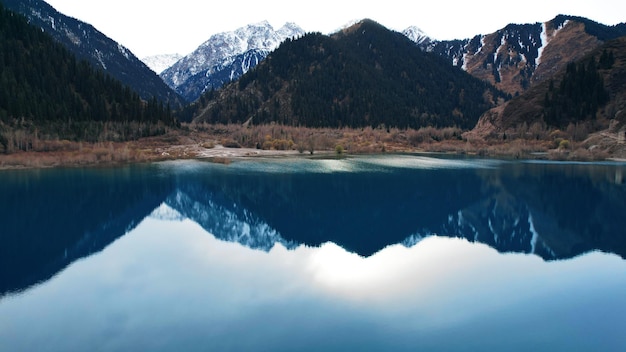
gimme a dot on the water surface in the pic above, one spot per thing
(364, 253)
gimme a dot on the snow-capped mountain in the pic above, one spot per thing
(87, 43)
(417, 35)
(519, 55)
(221, 74)
(222, 50)
(159, 63)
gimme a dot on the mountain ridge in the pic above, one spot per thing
(519, 55)
(509, 58)
(350, 79)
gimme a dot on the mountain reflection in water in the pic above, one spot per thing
(362, 204)
(396, 253)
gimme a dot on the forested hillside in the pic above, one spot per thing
(580, 93)
(46, 91)
(87, 43)
(365, 75)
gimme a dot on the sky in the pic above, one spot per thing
(167, 27)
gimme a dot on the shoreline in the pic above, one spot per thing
(93, 159)
(224, 155)
(220, 147)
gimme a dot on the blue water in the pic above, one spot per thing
(360, 253)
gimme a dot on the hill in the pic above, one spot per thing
(89, 44)
(365, 75)
(45, 92)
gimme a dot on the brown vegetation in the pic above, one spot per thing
(221, 143)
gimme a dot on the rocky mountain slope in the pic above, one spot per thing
(549, 103)
(88, 43)
(222, 54)
(521, 55)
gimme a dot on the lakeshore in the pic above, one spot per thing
(224, 143)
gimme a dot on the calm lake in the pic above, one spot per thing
(371, 253)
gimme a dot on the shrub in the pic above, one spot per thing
(229, 143)
(282, 144)
(208, 145)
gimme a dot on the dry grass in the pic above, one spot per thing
(193, 140)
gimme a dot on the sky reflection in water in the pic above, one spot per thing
(169, 285)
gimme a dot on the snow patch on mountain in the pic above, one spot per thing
(546, 37)
(159, 63)
(124, 51)
(544, 42)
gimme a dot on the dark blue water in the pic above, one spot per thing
(365, 253)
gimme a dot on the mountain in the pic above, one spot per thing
(221, 55)
(590, 93)
(46, 93)
(521, 55)
(88, 43)
(365, 75)
(158, 63)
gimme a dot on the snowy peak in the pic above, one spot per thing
(289, 30)
(159, 63)
(416, 35)
(222, 48)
